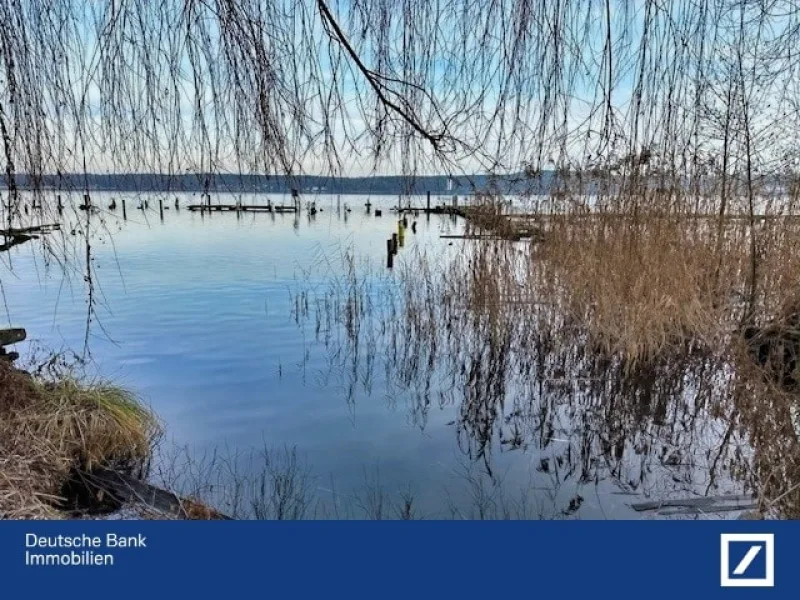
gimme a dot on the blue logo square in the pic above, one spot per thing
(747, 560)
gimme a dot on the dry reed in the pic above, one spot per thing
(50, 431)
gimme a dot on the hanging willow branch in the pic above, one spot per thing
(376, 80)
(310, 86)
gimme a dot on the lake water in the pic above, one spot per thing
(198, 314)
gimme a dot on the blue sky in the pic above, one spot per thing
(511, 81)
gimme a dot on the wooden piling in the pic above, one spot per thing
(60, 205)
(429, 201)
(12, 336)
(394, 243)
(124, 211)
(389, 254)
(161, 208)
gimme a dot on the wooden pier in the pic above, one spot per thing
(434, 210)
(14, 236)
(270, 208)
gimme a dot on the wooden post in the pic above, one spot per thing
(394, 243)
(389, 254)
(177, 204)
(12, 336)
(60, 205)
(401, 233)
(429, 202)
(124, 211)
(161, 208)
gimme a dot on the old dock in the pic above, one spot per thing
(434, 210)
(269, 208)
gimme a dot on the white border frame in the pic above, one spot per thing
(768, 539)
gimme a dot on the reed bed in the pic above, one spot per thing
(655, 334)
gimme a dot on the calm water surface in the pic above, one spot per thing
(197, 315)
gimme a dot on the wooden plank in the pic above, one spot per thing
(713, 508)
(12, 336)
(28, 230)
(242, 208)
(15, 240)
(705, 502)
(476, 236)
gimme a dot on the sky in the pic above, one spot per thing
(265, 86)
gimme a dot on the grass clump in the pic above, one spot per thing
(53, 432)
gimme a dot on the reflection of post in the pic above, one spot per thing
(124, 211)
(161, 208)
(394, 243)
(389, 254)
(401, 233)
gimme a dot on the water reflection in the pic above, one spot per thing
(526, 378)
(461, 374)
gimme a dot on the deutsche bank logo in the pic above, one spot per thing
(747, 560)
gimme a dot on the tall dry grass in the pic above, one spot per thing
(626, 328)
(656, 283)
(51, 432)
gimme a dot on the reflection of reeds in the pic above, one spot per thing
(618, 331)
(279, 484)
